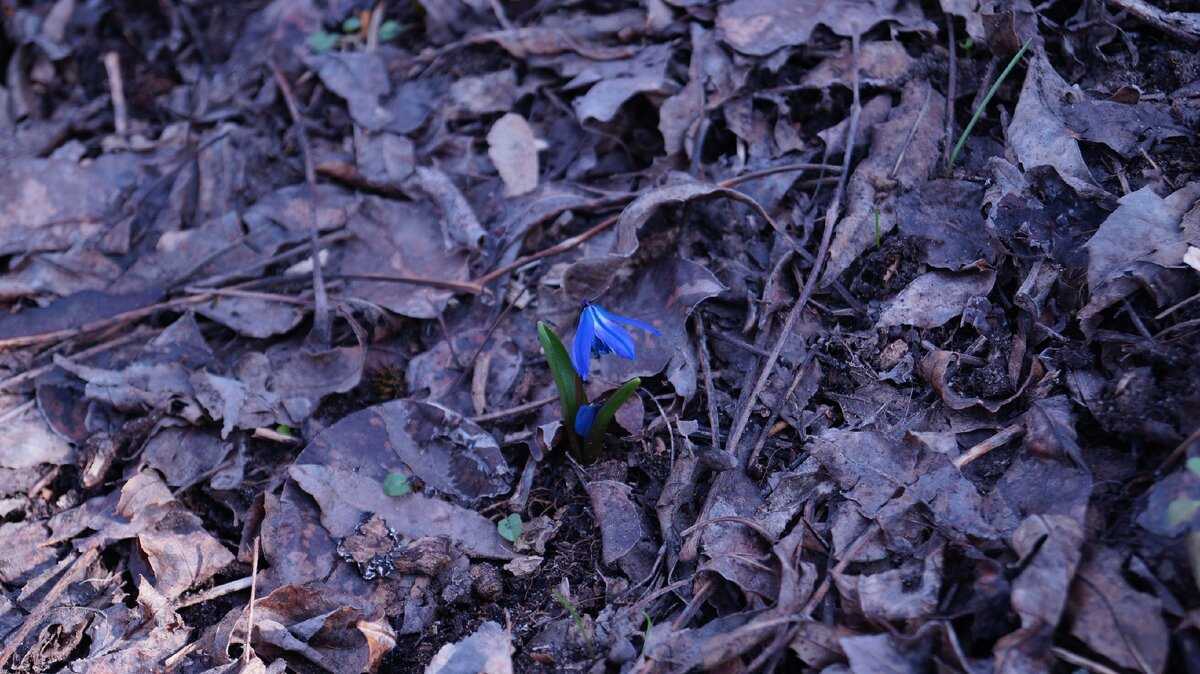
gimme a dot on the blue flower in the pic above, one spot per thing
(584, 418)
(600, 332)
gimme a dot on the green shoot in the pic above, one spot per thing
(646, 634)
(877, 246)
(390, 29)
(510, 527)
(396, 484)
(322, 41)
(566, 603)
(983, 104)
(352, 25)
(593, 444)
(570, 388)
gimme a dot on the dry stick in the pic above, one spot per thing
(322, 330)
(513, 411)
(214, 592)
(247, 649)
(714, 417)
(739, 426)
(456, 286)
(766, 431)
(951, 92)
(116, 88)
(1179, 451)
(823, 589)
(14, 640)
(996, 441)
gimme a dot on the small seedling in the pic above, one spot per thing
(877, 246)
(352, 25)
(967, 46)
(566, 603)
(396, 484)
(283, 429)
(322, 41)
(983, 104)
(510, 527)
(389, 30)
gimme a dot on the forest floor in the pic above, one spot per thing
(910, 408)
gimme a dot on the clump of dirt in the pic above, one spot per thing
(888, 269)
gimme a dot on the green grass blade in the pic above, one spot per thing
(583, 632)
(561, 369)
(983, 104)
(592, 446)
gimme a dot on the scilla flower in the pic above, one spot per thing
(601, 332)
(584, 419)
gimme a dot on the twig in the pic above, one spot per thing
(321, 335)
(801, 369)
(749, 523)
(831, 216)
(456, 286)
(1080, 661)
(116, 88)
(755, 175)
(214, 592)
(247, 649)
(18, 410)
(1181, 25)
(951, 90)
(819, 594)
(714, 416)
(514, 411)
(1178, 452)
(997, 440)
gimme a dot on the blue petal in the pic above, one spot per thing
(584, 418)
(581, 348)
(629, 321)
(614, 337)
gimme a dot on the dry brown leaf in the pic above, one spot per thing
(513, 150)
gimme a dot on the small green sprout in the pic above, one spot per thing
(322, 41)
(587, 637)
(967, 46)
(283, 429)
(510, 527)
(390, 29)
(983, 104)
(352, 25)
(396, 484)
(877, 245)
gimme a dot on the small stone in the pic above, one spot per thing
(486, 581)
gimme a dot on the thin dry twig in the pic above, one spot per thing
(116, 90)
(831, 216)
(247, 649)
(322, 331)
(998, 440)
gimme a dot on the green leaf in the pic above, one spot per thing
(510, 527)
(322, 41)
(1193, 465)
(390, 29)
(352, 25)
(877, 246)
(283, 429)
(983, 104)
(396, 484)
(1181, 511)
(592, 447)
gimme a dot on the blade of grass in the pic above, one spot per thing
(566, 603)
(983, 104)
